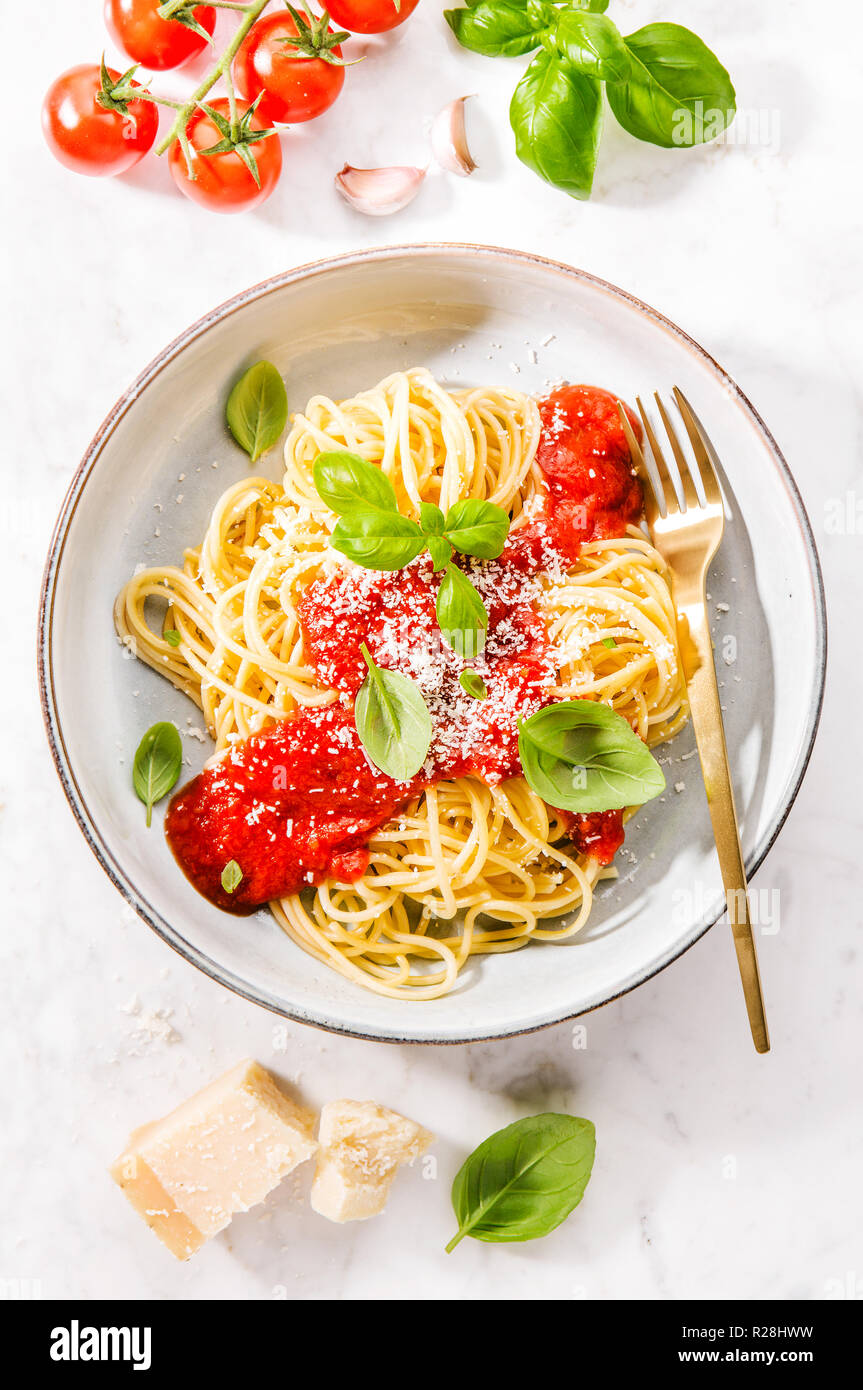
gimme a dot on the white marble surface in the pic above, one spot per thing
(718, 1173)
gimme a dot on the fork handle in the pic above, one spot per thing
(710, 738)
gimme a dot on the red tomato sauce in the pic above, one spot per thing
(292, 805)
(394, 614)
(298, 802)
(584, 456)
(597, 833)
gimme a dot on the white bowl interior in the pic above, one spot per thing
(467, 314)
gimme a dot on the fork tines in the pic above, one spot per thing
(682, 494)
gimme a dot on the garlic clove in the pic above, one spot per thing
(449, 141)
(378, 192)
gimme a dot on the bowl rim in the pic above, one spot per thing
(51, 715)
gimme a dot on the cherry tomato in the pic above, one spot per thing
(294, 88)
(370, 16)
(87, 138)
(223, 182)
(157, 43)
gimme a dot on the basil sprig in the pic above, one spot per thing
(664, 85)
(372, 531)
(580, 755)
(392, 721)
(157, 764)
(461, 614)
(523, 1181)
(257, 409)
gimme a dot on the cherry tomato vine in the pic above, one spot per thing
(280, 68)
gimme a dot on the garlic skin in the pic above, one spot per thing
(449, 141)
(378, 192)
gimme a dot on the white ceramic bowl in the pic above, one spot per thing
(467, 313)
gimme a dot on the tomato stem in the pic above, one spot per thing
(232, 103)
(140, 95)
(250, 13)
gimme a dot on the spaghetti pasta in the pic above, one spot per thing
(469, 867)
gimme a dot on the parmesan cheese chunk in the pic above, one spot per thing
(361, 1147)
(218, 1153)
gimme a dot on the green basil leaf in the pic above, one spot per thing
(593, 44)
(232, 876)
(172, 637)
(461, 614)
(378, 540)
(348, 483)
(477, 528)
(473, 684)
(257, 409)
(392, 721)
(609, 642)
(580, 755)
(556, 114)
(158, 760)
(498, 28)
(523, 1181)
(678, 92)
(431, 519)
(440, 551)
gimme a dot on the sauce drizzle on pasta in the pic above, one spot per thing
(402, 885)
(298, 804)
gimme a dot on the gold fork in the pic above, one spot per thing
(687, 533)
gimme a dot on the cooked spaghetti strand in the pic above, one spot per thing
(466, 868)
